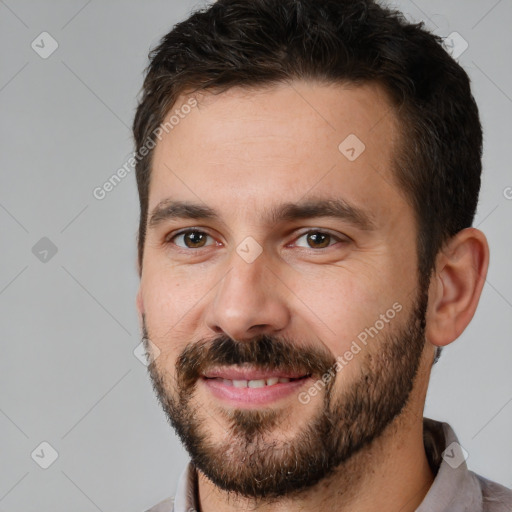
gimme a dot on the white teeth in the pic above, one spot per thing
(256, 383)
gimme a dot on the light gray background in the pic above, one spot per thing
(68, 374)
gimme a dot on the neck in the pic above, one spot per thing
(390, 474)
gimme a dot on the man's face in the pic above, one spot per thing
(272, 287)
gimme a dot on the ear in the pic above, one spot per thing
(138, 262)
(140, 305)
(456, 286)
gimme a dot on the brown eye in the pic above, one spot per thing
(191, 239)
(316, 240)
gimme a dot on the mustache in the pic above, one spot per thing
(264, 352)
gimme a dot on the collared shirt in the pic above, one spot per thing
(455, 488)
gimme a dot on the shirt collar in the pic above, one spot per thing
(455, 488)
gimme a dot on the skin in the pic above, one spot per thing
(263, 147)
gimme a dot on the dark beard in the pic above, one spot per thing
(250, 464)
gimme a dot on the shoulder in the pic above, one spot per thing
(495, 497)
(166, 505)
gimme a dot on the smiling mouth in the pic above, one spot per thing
(256, 383)
(245, 387)
(246, 377)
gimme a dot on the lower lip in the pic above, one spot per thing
(253, 396)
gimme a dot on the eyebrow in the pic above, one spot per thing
(169, 209)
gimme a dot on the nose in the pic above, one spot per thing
(247, 302)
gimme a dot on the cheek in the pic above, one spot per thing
(342, 303)
(163, 311)
(168, 294)
(160, 303)
(174, 300)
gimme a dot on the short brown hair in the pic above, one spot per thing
(258, 42)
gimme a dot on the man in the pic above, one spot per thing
(308, 174)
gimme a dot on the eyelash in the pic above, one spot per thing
(169, 239)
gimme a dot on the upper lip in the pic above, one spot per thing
(234, 373)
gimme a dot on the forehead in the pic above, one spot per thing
(250, 148)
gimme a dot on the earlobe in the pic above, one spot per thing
(456, 287)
